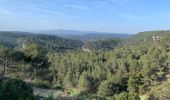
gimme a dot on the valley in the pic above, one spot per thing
(55, 68)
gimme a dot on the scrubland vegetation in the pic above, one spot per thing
(110, 69)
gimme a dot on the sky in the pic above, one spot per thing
(118, 16)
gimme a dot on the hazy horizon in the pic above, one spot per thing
(125, 16)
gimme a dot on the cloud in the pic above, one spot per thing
(79, 7)
(29, 8)
(116, 2)
(42, 10)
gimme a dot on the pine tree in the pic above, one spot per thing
(84, 84)
(105, 89)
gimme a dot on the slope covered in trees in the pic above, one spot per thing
(102, 44)
(148, 36)
(53, 43)
(124, 72)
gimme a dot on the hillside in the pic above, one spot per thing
(55, 43)
(105, 44)
(148, 36)
(133, 70)
(50, 42)
(98, 36)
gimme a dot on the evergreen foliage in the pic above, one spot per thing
(123, 72)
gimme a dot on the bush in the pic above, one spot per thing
(15, 89)
(108, 88)
(105, 89)
(127, 96)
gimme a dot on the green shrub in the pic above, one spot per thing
(15, 89)
(127, 96)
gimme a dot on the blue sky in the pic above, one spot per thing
(120, 16)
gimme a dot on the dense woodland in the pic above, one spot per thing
(112, 69)
(49, 42)
(102, 44)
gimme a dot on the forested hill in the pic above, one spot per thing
(54, 43)
(103, 44)
(84, 35)
(93, 42)
(140, 38)
(126, 72)
(11, 39)
(148, 36)
(97, 36)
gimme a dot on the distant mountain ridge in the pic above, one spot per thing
(69, 32)
(83, 35)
